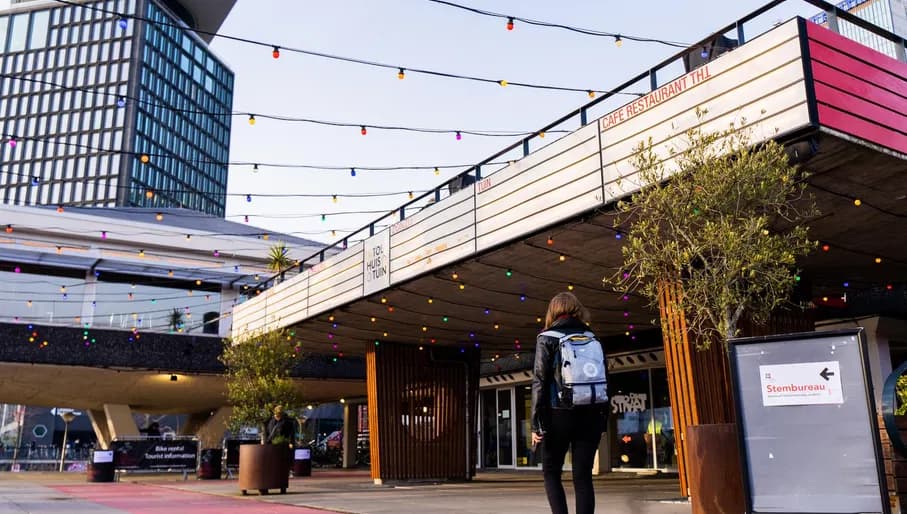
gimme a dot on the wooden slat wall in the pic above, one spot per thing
(699, 381)
(407, 443)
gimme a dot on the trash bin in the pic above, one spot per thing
(302, 462)
(100, 466)
(209, 466)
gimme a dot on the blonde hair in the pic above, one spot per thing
(565, 304)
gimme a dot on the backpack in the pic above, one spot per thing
(580, 359)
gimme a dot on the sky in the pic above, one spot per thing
(421, 34)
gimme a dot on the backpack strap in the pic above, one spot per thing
(553, 333)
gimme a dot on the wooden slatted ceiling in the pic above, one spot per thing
(859, 91)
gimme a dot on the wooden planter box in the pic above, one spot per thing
(264, 467)
(713, 465)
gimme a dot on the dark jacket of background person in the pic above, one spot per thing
(280, 427)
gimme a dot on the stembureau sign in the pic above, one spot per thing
(656, 97)
(809, 383)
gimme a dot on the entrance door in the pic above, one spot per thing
(497, 428)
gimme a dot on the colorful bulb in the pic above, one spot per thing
(12, 142)
(459, 136)
(509, 23)
(591, 93)
(363, 130)
(352, 172)
(503, 83)
(121, 102)
(276, 52)
(159, 216)
(252, 119)
(248, 198)
(705, 53)
(122, 23)
(618, 41)
(401, 74)
(144, 158)
(437, 171)
(9, 229)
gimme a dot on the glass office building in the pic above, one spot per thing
(107, 110)
(887, 14)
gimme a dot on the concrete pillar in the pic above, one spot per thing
(99, 424)
(228, 298)
(90, 293)
(120, 422)
(602, 462)
(208, 426)
(350, 433)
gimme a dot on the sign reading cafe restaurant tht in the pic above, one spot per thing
(376, 263)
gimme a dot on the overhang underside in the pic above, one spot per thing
(144, 391)
(489, 310)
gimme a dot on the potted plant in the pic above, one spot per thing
(175, 320)
(258, 382)
(717, 240)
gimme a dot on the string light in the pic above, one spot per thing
(437, 171)
(149, 194)
(569, 287)
(591, 93)
(141, 253)
(276, 52)
(462, 287)
(12, 141)
(159, 216)
(459, 136)
(60, 209)
(249, 198)
(352, 172)
(9, 229)
(145, 158)
(878, 260)
(401, 74)
(857, 202)
(431, 300)
(509, 273)
(103, 234)
(121, 102)
(362, 130)
(618, 41)
(503, 83)
(410, 195)
(509, 23)
(562, 258)
(704, 53)
(550, 241)
(252, 119)
(454, 275)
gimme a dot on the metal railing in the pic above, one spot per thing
(832, 13)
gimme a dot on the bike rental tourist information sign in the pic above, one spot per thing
(809, 439)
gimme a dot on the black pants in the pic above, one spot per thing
(580, 430)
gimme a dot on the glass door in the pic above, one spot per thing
(489, 427)
(505, 428)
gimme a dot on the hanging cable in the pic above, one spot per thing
(395, 67)
(252, 118)
(589, 32)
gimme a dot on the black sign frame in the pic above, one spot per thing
(733, 344)
(131, 454)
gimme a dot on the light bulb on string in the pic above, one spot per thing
(509, 273)
(509, 23)
(144, 158)
(324, 217)
(857, 202)
(121, 102)
(252, 119)
(35, 181)
(437, 171)
(9, 229)
(246, 218)
(122, 23)
(276, 52)
(618, 42)
(159, 216)
(255, 168)
(248, 198)
(334, 198)
(103, 234)
(410, 195)
(363, 130)
(149, 194)
(352, 172)
(401, 74)
(503, 83)
(705, 53)
(60, 209)
(459, 136)
(591, 93)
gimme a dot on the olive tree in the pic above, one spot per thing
(720, 216)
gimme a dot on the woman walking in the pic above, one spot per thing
(558, 424)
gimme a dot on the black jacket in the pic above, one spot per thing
(283, 426)
(543, 376)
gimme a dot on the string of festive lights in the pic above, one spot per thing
(146, 157)
(36, 180)
(401, 70)
(511, 23)
(253, 117)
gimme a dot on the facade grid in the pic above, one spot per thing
(71, 129)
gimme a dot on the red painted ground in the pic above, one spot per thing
(149, 499)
